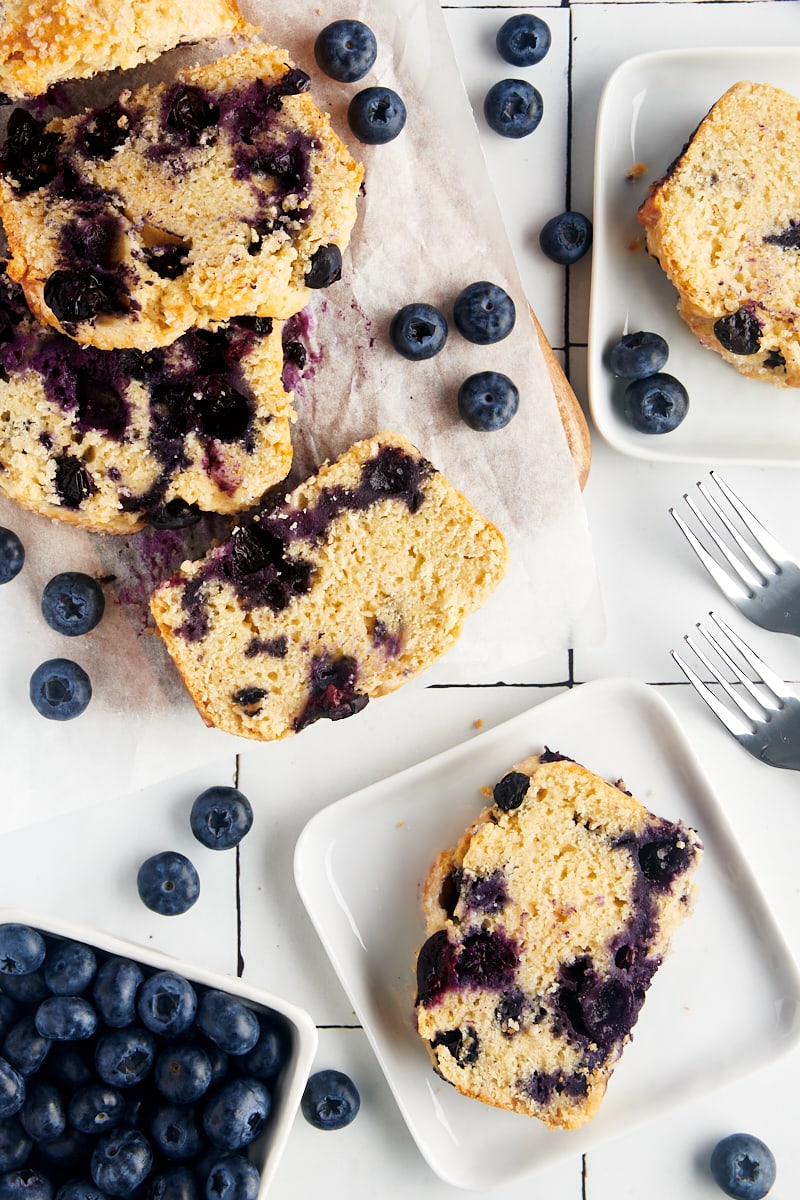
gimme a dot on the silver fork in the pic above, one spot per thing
(764, 717)
(758, 575)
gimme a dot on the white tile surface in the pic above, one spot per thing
(250, 917)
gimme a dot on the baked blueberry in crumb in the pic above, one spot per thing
(377, 115)
(80, 295)
(12, 555)
(29, 156)
(462, 1044)
(325, 267)
(333, 690)
(60, 689)
(740, 333)
(486, 959)
(174, 514)
(511, 790)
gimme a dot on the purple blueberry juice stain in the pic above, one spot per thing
(486, 959)
(485, 893)
(390, 641)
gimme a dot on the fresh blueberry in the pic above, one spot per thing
(115, 988)
(182, 1073)
(513, 108)
(236, 1114)
(121, 1162)
(330, 1100)
(220, 817)
(72, 603)
(230, 1024)
(484, 313)
(176, 1183)
(325, 267)
(42, 1115)
(65, 1155)
(487, 401)
(656, 404)
(60, 689)
(15, 1145)
(566, 237)
(22, 949)
(637, 355)
(523, 40)
(25, 1184)
(28, 989)
(9, 1011)
(96, 1108)
(166, 1003)
(233, 1177)
(346, 50)
(25, 1047)
(743, 1166)
(124, 1057)
(418, 331)
(79, 1189)
(271, 1051)
(71, 1064)
(12, 555)
(174, 1132)
(168, 883)
(69, 967)
(66, 1018)
(12, 1089)
(376, 115)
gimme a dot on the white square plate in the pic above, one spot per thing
(724, 1003)
(649, 108)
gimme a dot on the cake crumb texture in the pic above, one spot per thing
(178, 205)
(355, 582)
(113, 440)
(44, 42)
(724, 225)
(545, 925)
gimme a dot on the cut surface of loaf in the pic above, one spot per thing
(545, 924)
(43, 42)
(358, 580)
(111, 440)
(724, 225)
(222, 194)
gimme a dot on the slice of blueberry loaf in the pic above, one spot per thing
(724, 225)
(44, 42)
(359, 579)
(545, 925)
(113, 439)
(225, 193)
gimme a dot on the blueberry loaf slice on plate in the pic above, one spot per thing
(112, 439)
(359, 579)
(724, 225)
(44, 42)
(222, 194)
(545, 926)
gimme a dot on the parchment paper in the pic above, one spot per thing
(428, 226)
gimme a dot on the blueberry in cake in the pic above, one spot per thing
(545, 925)
(356, 581)
(44, 42)
(113, 439)
(222, 194)
(724, 225)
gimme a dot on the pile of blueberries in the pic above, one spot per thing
(72, 604)
(118, 1079)
(653, 400)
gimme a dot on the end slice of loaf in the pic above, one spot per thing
(545, 926)
(724, 225)
(44, 42)
(361, 578)
(178, 206)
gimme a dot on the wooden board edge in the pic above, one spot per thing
(575, 424)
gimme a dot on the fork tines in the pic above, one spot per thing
(751, 706)
(756, 560)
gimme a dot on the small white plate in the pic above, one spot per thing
(725, 1002)
(649, 108)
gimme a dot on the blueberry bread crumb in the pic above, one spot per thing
(356, 581)
(545, 926)
(724, 225)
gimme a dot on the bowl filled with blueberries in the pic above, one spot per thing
(126, 1073)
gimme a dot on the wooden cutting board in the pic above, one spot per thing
(572, 418)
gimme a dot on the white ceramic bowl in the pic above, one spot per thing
(288, 1087)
